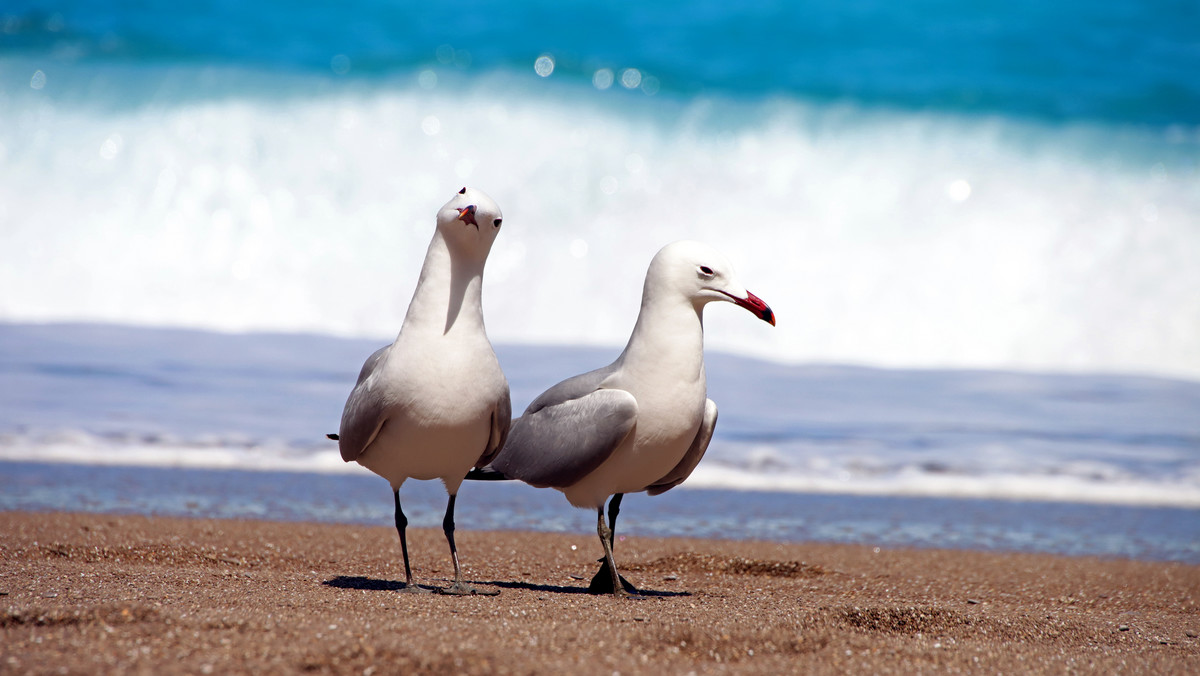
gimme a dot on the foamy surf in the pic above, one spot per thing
(910, 481)
(268, 202)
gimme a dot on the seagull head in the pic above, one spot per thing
(702, 274)
(469, 222)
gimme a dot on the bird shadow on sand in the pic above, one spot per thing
(367, 583)
(374, 584)
(558, 589)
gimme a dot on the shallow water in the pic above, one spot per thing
(102, 394)
(994, 525)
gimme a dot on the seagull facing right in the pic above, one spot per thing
(643, 422)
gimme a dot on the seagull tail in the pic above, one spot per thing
(487, 474)
(333, 436)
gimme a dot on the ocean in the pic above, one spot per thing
(977, 225)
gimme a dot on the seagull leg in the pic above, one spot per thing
(401, 527)
(614, 508)
(459, 588)
(607, 580)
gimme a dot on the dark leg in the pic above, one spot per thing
(607, 580)
(614, 508)
(459, 588)
(401, 527)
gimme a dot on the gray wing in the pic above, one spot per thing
(501, 421)
(557, 443)
(692, 458)
(363, 415)
(571, 388)
(368, 366)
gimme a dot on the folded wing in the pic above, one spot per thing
(567, 433)
(364, 414)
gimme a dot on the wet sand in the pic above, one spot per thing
(89, 594)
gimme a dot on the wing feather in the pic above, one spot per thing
(363, 416)
(558, 444)
(571, 388)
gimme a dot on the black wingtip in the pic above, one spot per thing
(487, 474)
(333, 436)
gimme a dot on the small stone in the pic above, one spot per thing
(49, 595)
(973, 601)
(1123, 627)
(670, 578)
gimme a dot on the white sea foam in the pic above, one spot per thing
(912, 481)
(909, 480)
(235, 201)
(86, 449)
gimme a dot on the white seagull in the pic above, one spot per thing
(643, 422)
(435, 403)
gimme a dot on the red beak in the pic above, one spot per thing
(756, 305)
(467, 215)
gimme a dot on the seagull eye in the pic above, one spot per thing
(463, 191)
(496, 222)
(706, 271)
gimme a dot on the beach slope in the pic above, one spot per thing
(88, 593)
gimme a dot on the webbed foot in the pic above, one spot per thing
(463, 589)
(602, 584)
(412, 588)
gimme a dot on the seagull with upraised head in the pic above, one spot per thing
(435, 403)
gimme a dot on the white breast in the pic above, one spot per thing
(438, 425)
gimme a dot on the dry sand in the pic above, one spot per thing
(121, 594)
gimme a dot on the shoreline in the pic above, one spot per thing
(102, 593)
(1143, 533)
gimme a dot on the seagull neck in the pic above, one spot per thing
(449, 292)
(668, 336)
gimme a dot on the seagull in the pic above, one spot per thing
(641, 423)
(435, 403)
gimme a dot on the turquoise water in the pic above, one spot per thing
(1117, 61)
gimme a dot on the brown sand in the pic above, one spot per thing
(108, 594)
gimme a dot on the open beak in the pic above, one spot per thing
(755, 305)
(467, 215)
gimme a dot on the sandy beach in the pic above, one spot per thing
(87, 593)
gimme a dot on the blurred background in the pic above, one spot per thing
(978, 224)
(922, 184)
